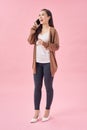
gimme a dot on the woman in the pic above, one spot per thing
(45, 39)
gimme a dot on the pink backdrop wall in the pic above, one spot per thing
(16, 83)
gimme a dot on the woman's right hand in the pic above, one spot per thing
(36, 25)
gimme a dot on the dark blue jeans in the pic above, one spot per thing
(43, 72)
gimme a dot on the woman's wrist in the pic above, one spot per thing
(45, 44)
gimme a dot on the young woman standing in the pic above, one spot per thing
(45, 39)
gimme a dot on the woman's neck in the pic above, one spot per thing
(45, 28)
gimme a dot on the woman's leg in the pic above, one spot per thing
(48, 80)
(38, 80)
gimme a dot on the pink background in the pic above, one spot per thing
(69, 108)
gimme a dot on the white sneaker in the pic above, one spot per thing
(33, 120)
(45, 119)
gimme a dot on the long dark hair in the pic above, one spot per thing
(50, 22)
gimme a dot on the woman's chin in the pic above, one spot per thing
(41, 22)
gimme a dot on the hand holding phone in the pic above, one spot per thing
(38, 22)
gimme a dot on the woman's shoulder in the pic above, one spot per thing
(53, 29)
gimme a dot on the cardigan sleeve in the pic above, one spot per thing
(54, 45)
(31, 37)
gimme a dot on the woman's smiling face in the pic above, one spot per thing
(43, 17)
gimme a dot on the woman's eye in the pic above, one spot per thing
(42, 14)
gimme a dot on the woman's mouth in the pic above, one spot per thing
(41, 20)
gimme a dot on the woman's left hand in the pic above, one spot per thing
(40, 42)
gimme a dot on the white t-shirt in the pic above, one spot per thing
(42, 54)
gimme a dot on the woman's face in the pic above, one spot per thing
(43, 17)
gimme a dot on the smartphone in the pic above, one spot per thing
(37, 21)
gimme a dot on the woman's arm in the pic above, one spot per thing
(52, 46)
(31, 37)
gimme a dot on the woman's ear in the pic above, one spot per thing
(49, 17)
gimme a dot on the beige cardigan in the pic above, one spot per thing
(53, 45)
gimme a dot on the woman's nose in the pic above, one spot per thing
(40, 16)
